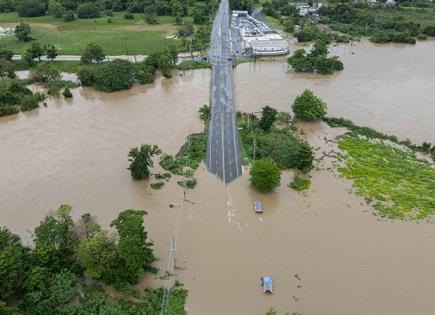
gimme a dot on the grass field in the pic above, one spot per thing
(118, 37)
(394, 181)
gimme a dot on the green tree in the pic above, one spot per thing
(304, 157)
(177, 11)
(57, 231)
(6, 54)
(55, 9)
(265, 174)
(268, 118)
(134, 250)
(12, 263)
(36, 50)
(92, 53)
(88, 11)
(51, 51)
(141, 160)
(308, 106)
(31, 8)
(200, 13)
(22, 32)
(289, 26)
(97, 254)
(67, 93)
(300, 62)
(114, 76)
(7, 69)
(429, 30)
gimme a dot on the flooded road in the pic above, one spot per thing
(325, 250)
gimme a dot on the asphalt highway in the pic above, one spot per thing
(223, 149)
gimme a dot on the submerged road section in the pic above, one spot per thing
(223, 150)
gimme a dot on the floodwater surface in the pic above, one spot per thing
(326, 250)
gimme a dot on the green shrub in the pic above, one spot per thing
(265, 174)
(30, 8)
(86, 76)
(429, 30)
(300, 184)
(114, 76)
(67, 93)
(307, 106)
(88, 11)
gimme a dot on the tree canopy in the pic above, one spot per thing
(308, 106)
(265, 174)
(140, 159)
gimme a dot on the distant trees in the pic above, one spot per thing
(265, 174)
(140, 159)
(92, 53)
(22, 32)
(200, 13)
(177, 11)
(315, 61)
(308, 106)
(31, 8)
(55, 9)
(88, 11)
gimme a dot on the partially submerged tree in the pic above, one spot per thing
(268, 118)
(308, 106)
(265, 174)
(141, 160)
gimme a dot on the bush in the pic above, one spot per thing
(128, 16)
(114, 76)
(308, 33)
(31, 8)
(300, 184)
(86, 76)
(22, 32)
(88, 11)
(67, 93)
(6, 54)
(55, 9)
(46, 73)
(265, 174)
(69, 16)
(92, 53)
(307, 106)
(429, 31)
(141, 160)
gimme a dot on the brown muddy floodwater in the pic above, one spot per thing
(325, 250)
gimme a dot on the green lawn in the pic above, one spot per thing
(394, 181)
(118, 37)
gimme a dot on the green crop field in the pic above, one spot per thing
(118, 37)
(394, 181)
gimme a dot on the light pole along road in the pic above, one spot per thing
(223, 150)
